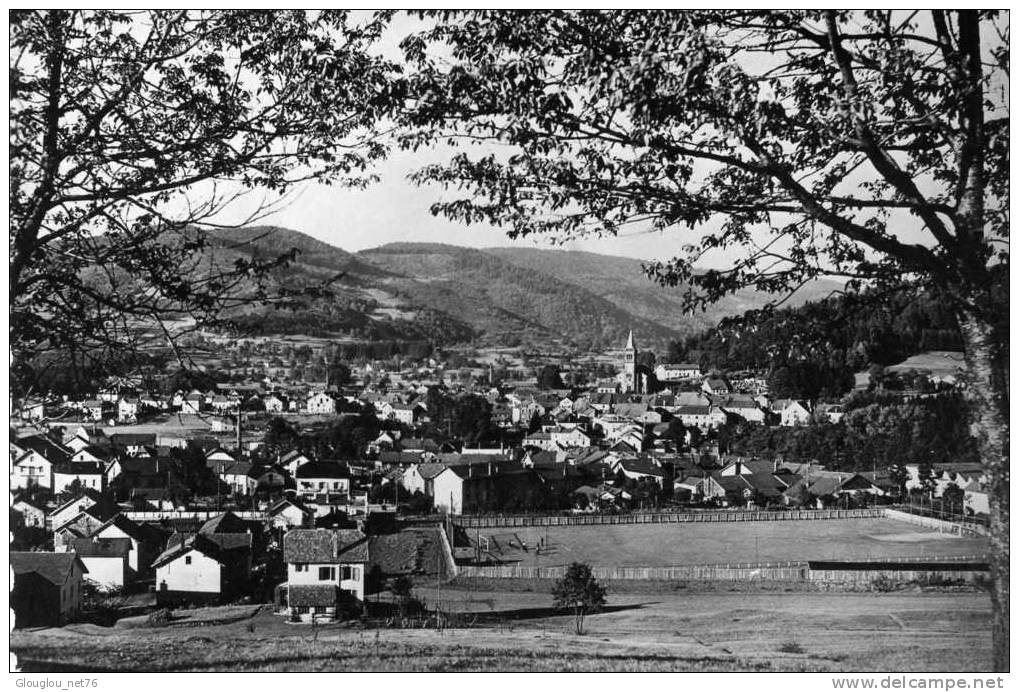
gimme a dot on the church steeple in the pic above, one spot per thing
(630, 382)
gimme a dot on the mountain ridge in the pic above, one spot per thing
(497, 295)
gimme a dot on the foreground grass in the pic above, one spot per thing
(666, 632)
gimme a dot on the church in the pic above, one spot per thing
(633, 378)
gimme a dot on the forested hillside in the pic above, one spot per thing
(826, 341)
(622, 281)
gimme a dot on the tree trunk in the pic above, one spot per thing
(987, 390)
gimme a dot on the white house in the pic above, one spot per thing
(127, 411)
(106, 559)
(792, 412)
(292, 461)
(321, 403)
(78, 440)
(323, 477)
(747, 410)
(273, 404)
(223, 404)
(671, 372)
(93, 409)
(703, 417)
(324, 568)
(418, 477)
(218, 458)
(403, 413)
(67, 511)
(237, 475)
(31, 515)
(290, 514)
(91, 475)
(31, 469)
(146, 541)
(715, 385)
(192, 403)
(203, 568)
(566, 438)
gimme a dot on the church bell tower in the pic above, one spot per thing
(630, 383)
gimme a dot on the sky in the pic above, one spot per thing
(396, 210)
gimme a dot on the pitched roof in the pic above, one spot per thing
(237, 468)
(399, 457)
(145, 533)
(54, 453)
(292, 502)
(80, 468)
(302, 595)
(53, 567)
(642, 466)
(227, 522)
(132, 439)
(430, 471)
(218, 546)
(101, 547)
(324, 545)
(323, 469)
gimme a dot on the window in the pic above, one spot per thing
(347, 571)
(355, 573)
(187, 559)
(326, 573)
(300, 567)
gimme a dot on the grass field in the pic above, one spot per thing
(658, 545)
(939, 363)
(637, 632)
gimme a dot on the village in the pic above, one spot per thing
(201, 511)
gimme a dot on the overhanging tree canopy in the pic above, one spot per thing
(869, 145)
(130, 130)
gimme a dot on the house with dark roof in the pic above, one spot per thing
(27, 513)
(485, 487)
(419, 477)
(81, 524)
(30, 469)
(641, 468)
(47, 588)
(697, 488)
(63, 513)
(291, 513)
(238, 478)
(89, 475)
(293, 460)
(404, 459)
(325, 572)
(317, 477)
(203, 568)
(106, 559)
(147, 542)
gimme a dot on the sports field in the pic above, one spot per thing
(660, 545)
